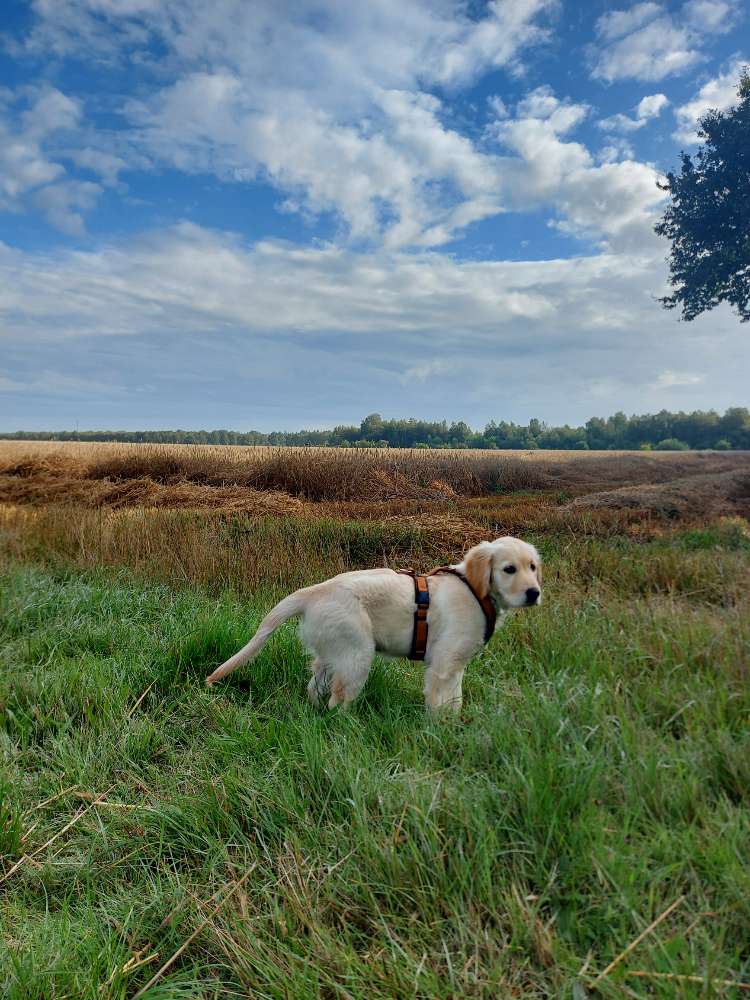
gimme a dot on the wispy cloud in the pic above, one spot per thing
(268, 315)
(427, 370)
(671, 380)
(648, 42)
(33, 122)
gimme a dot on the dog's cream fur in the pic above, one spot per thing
(347, 619)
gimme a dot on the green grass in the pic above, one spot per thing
(599, 772)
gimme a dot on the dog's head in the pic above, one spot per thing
(508, 569)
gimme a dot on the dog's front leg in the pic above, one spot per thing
(443, 682)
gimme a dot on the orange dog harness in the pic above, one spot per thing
(422, 601)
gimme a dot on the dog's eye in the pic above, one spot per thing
(509, 569)
(533, 567)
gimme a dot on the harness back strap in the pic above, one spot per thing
(422, 601)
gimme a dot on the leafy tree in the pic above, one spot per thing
(735, 426)
(372, 424)
(708, 220)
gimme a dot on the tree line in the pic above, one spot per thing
(660, 431)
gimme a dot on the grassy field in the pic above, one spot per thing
(597, 779)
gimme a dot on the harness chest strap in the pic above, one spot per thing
(422, 601)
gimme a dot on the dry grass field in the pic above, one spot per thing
(582, 830)
(245, 516)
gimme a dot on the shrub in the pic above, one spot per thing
(672, 444)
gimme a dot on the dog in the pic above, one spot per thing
(348, 619)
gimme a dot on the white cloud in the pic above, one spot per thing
(648, 107)
(719, 93)
(391, 41)
(657, 50)
(712, 16)
(616, 23)
(615, 200)
(63, 28)
(330, 106)
(192, 278)
(346, 126)
(427, 370)
(50, 112)
(670, 379)
(24, 163)
(379, 156)
(54, 383)
(302, 326)
(189, 278)
(497, 106)
(651, 106)
(67, 203)
(615, 150)
(31, 150)
(104, 164)
(494, 41)
(647, 42)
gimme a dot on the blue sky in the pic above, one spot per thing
(279, 215)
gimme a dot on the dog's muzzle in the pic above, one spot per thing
(532, 595)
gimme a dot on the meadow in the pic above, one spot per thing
(582, 829)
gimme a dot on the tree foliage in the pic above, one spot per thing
(700, 429)
(708, 220)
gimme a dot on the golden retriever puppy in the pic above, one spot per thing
(348, 619)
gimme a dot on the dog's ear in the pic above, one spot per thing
(539, 572)
(478, 563)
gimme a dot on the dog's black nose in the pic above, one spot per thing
(532, 595)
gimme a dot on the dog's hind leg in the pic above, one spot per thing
(319, 686)
(339, 634)
(348, 676)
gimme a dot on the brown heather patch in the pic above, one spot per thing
(43, 489)
(587, 472)
(707, 495)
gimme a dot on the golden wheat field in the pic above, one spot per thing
(242, 516)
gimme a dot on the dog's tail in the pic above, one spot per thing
(292, 605)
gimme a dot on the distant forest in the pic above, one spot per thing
(661, 431)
